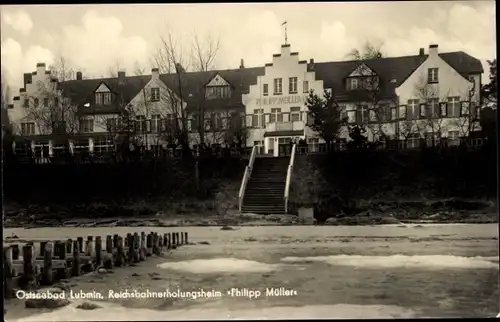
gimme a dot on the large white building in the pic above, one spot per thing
(429, 95)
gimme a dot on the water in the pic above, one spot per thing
(336, 272)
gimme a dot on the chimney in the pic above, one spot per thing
(155, 73)
(121, 77)
(78, 75)
(433, 50)
(311, 64)
(421, 52)
(27, 79)
(40, 69)
(242, 63)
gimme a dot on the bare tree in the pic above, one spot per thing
(50, 110)
(369, 51)
(427, 117)
(203, 55)
(468, 120)
(374, 109)
(171, 59)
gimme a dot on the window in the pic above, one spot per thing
(393, 113)
(103, 98)
(433, 107)
(103, 144)
(265, 90)
(155, 123)
(214, 121)
(86, 125)
(27, 128)
(423, 110)
(170, 122)
(353, 83)
(155, 94)
(56, 102)
(453, 108)
(351, 116)
(36, 101)
(343, 112)
(215, 92)
(276, 116)
(278, 86)
(26, 103)
(363, 114)
(140, 124)
(465, 109)
(305, 87)
(295, 114)
(112, 124)
(258, 118)
(402, 111)
(384, 113)
(413, 110)
(46, 102)
(292, 85)
(432, 75)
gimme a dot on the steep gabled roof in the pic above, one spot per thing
(393, 68)
(392, 72)
(82, 91)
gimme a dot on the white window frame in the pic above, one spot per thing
(278, 86)
(276, 115)
(295, 113)
(453, 101)
(354, 82)
(433, 75)
(292, 85)
(155, 94)
(259, 114)
(414, 105)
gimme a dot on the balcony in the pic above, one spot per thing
(285, 126)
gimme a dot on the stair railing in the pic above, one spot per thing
(246, 177)
(289, 177)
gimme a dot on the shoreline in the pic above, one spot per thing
(246, 221)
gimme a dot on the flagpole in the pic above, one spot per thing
(286, 36)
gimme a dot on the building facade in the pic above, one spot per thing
(425, 96)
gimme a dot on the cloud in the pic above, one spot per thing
(98, 44)
(19, 21)
(15, 61)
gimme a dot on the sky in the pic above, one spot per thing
(95, 39)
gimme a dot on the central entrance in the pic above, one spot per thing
(279, 143)
(281, 146)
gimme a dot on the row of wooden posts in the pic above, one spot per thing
(59, 259)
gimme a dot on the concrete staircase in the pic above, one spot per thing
(264, 193)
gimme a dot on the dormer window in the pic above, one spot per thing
(155, 94)
(218, 92)
(353, 83)
(103, 98)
